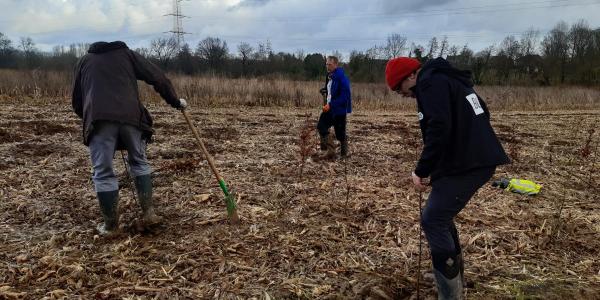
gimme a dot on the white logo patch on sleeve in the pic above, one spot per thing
(474, 101)
(420, 116)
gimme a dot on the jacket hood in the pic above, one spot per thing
(440, 65)
(102, 47)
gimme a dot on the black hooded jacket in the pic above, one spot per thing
(455, 123)
(105, 87)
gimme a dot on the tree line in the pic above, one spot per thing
(567, 54)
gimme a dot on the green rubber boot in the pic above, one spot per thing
(109, 207)
(143, 184)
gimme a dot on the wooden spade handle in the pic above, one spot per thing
(201, 144)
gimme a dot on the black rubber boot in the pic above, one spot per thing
(459, 256)
(461, 268)
(448, 278)
(344, 148)
(324, 142)
(143, 185)
(109, 207)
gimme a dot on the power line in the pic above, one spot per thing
(351, 39)
(428, 12)
(435, 12)
(179, 33)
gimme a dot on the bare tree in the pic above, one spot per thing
(27, 45)
(433, 47)
(29, 51)
(396, 45)
(300, 54)
(555, 47)
(581, 40)
(214, 50)
(79, 49)
(466, 56)
(338, 54)
(269, 48)
(245, 51)
(6, 51)
(143, 51)
(163, 49)
(508, 53)
(462, 58)
(417, 51)
(5, 43)
(510, 47)
(185, 60)
(596, 42)
(59, 50)
(482, 60)
(444, 47)
(376, 52)
(467, 52)
(529, 41)
(453, 51)
(556, 43)
(261, 52)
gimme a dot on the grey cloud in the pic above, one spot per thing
(249, 3)
(312, 25)
(395, 6)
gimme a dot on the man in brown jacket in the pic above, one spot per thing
(105, 96)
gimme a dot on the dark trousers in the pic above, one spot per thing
(327, 119)
(448, 197)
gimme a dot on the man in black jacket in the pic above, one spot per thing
(460, 154)
(105, 96)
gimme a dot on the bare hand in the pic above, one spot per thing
(420, 183)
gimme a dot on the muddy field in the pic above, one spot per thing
(329, 232)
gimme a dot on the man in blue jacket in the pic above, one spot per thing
(338, 103)
(460, 154)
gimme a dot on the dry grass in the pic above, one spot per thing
(223, 92)
(34, 84)
(299, 237)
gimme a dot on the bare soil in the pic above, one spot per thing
(332, 231)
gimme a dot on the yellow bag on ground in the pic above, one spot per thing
(519, 186)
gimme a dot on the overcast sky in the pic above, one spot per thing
(311, 25)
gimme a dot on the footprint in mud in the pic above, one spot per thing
(181, 165)
(563, 143)
(8, 137)
(27, 150)
(138, 226)
(173, 154)
(221, 133)
(41, 127)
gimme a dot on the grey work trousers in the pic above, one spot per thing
(103, 144)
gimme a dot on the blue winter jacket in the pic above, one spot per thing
(341, 99)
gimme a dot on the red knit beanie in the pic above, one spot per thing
(397, 69)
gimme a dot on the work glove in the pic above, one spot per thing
(182, 104)
(323, 91)
(326, 108)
